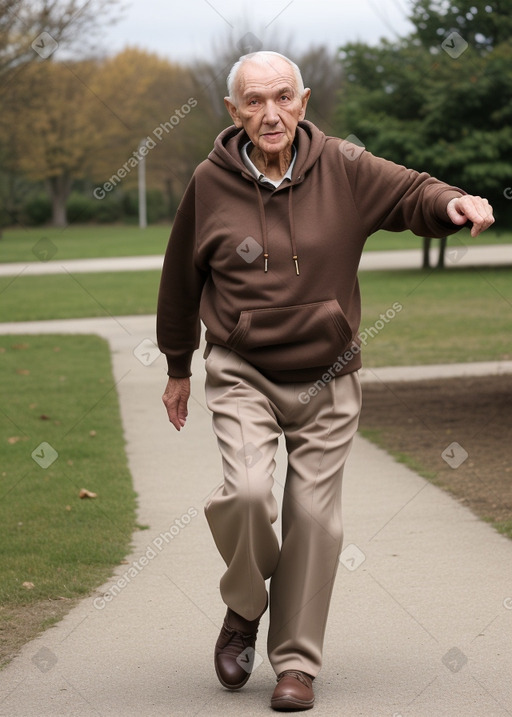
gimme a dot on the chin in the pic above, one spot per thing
(270, 148)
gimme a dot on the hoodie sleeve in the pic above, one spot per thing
(181, 284)
(390, 196)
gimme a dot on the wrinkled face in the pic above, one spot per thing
(269, 105)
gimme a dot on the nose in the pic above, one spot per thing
(271, 113)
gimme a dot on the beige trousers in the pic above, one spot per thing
(249, 414)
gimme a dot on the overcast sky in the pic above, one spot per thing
(187, 29)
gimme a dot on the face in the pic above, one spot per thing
(269, 105)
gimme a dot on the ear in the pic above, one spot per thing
(305, 98)
(233, 111)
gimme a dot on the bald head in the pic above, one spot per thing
(270, 63)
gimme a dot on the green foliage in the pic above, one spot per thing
(81, 209)
(155, 202)
(414, 103)
(37, 210)
(484, 24)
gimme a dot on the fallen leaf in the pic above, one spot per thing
(92, 433)
(13, 439)
(23, 371)
(20, 347)
(44, 417)
(84, 493)
(68, 507)
(28, 585)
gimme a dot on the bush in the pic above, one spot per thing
(37, 210)
(80, 208)
(108, 210)
(156, 208)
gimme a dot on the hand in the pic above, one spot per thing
(473, 209)
(175, 399)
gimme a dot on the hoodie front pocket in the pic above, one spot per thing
(292, 337)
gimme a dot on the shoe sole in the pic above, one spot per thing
(290, 703)
(227, 685)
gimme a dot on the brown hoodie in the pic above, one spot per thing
(272, 273)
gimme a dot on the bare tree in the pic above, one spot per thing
(33, 29)
(320, 68)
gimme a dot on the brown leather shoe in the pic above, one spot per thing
(294, 691)
(234, 650)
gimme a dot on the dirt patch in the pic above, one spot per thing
(432, 425)
(18, 625)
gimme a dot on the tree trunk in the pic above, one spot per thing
(426, 252)
(59, 189)
(442, 249)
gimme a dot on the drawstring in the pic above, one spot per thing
(263, 220)
(292, 231)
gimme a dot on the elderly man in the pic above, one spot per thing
(265, 250)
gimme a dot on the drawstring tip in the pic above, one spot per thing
(265, 256)
(296, 260)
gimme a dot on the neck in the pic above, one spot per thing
(272, 166)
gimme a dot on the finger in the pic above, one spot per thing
(474, 209)
(171, 406)
(483, 216)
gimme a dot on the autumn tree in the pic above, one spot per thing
(33, 33)
(152, 100)
(55, 135)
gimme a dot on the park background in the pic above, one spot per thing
(437, 97)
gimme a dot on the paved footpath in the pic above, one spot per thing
(421, 616)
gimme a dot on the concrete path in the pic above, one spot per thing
(421, 616)
(494, 255)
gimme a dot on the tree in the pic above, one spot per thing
(51, 122)
(154, 100)
(69, 23)
(35, 32)
(435, 103)
(483, 24)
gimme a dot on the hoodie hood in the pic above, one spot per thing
(309, 142)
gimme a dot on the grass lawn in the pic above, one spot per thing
(456, 315)
(65, 296)
(58, 390)
(452, 316)
(82, 242)
(85, 242)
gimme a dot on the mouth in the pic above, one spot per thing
(273, 134)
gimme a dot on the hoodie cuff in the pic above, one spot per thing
(179, 367)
